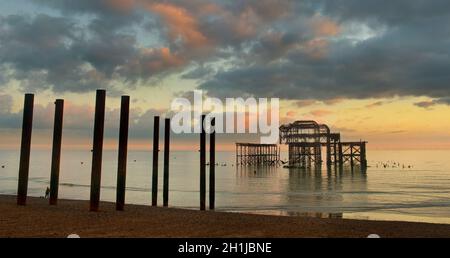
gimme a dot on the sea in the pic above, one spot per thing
(409, 185)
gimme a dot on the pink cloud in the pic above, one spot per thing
(181, 23)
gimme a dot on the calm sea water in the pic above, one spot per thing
(418, 193)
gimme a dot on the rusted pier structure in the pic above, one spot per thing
(248, 154)
(354, 153)
(307, 139)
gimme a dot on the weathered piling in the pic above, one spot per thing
(97, 150)
(202, 165)
(56, 151)
(123, 152)
(155, 161)
(166, 162)
(25, 149)
(212, 167)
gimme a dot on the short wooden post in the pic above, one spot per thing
(155, 161)
(166, 162)
(25, 148)
(123, 152)
(97, 151)
(202, 165)
(56, 151)
(212, 167)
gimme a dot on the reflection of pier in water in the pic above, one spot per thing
(326, 190)
(303, 190)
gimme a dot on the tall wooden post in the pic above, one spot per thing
(97, 151)
(166, 162)
(25, 148)
(212, 167)
(202, 165)
(123, 152)
(56, 151)
(155, 161)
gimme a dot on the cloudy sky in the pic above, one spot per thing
(377, 70)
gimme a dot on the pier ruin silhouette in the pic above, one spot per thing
(305, 140)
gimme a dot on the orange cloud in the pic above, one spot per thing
(181, 24)
(321, 113)
(291, 114)
(324, 27)
(305, 102)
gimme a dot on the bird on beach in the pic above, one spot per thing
(3, 166)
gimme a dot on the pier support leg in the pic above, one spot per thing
(212, 167)
(97, 151)
(166, 162)
(123, 152)
(155, 161)
(25, 149)
(363, 156)
(341, 155)
(56, 151)
(202, 165)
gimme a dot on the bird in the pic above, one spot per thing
(3, 166)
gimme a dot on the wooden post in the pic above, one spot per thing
(123, 152)
(97, 150)
(155, 161)
(166, 162)
(202, 165)
(25, 148)
(56, 151)
(212, 167)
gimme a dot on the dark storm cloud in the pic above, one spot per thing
(63, 54)
(409, 56)
(309, 49)
(398, 12)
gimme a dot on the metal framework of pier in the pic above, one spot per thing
(248, 154)
(306, 140)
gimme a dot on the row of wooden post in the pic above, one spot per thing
(97, 153)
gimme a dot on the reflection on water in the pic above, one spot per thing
(322, 190)
(418, 194)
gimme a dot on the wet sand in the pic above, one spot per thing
(38, 219)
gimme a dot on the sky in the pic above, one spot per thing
(373, 70)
